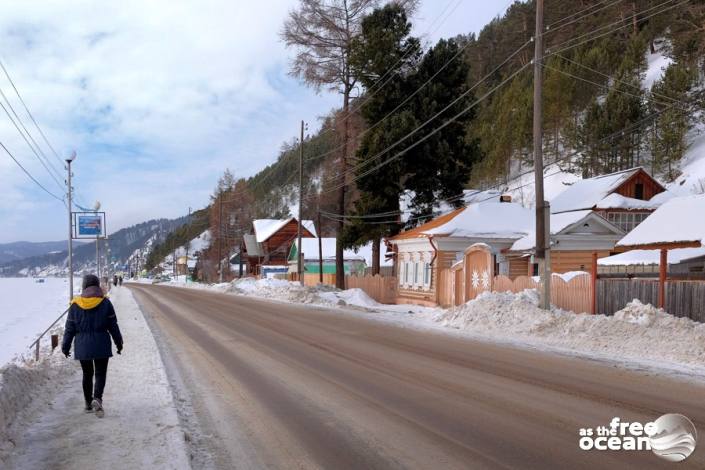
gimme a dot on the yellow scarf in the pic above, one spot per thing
(87, 303)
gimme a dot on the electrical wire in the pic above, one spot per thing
(29, 175)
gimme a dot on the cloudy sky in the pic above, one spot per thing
(157, 98)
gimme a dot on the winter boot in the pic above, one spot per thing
(88, 408)
(98, 407)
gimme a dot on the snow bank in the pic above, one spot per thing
(286, 291)
(638, 332)
(23, 383)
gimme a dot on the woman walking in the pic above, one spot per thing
(91, 321)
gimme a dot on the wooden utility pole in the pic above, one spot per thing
(220, 239)
(542, 219)
(320, 249)
(299, 251)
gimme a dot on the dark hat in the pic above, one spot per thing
(90, 280)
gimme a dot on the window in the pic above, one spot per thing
(627, 221)
(416, 274)
(402, 273)
(639, 191)
(426, 275)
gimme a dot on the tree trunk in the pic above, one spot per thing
(339, 262)
(375, 255)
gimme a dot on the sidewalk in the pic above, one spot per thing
(140, 428)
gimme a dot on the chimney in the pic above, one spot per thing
(505, 198)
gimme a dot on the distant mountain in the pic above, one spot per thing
(122, 245)
(20, 250)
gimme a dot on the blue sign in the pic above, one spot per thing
(90, 225)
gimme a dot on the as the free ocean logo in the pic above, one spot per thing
(672, 437)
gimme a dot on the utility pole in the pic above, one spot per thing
(188, 242)
(299, 251)
(320, 249)
(70, 260)
(220, 238)
(97, 257)
(543, 244)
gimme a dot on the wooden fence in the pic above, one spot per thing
(683, 298)
(574, 295)
(383, 289)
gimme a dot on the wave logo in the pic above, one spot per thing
(675, 437)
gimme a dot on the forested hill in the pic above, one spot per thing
(623, 85)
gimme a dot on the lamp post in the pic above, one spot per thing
(69, 160)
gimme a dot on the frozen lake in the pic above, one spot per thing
(26, 309)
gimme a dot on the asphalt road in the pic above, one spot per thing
(285, 386)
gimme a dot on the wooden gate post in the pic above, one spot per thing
(593, 283)
(663, 266)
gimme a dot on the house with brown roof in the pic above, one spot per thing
(270, 242)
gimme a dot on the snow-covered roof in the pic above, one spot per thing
(265, 228)
(486, 220)
(679, 220)
(617, 201)
(559, 222)
(364, 253)
(588, 193)
(651, 257)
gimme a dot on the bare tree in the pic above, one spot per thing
(321, 32)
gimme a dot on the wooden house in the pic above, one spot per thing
(624, 198)
(422, 252)
(591, 216)
(270, 242)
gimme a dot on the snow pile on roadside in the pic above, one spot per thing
(638, 332)
(26, 383)
(279, 289)
(640, 314)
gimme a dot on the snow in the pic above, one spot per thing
(571, 274)
(26, 309)
(638, 332)
(617, 201)
(657, 64)
(649, 257)
(692, 166)
(488, 220)
(140, 429)
(559, 222)
(587, 193)
(265, 228)
(678, 220)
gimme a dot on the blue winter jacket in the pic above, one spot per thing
(91, 321)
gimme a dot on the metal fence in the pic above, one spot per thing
(683, 298)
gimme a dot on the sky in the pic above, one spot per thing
(156, 98)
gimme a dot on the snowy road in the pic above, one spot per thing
(276, 385)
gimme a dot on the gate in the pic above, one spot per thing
(479, 270)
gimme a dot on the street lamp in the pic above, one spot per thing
(69, 160)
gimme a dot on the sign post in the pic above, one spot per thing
(90, 225)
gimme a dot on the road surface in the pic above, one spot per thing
(287, 386)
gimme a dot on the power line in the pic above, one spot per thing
(601, 85)
(550, 28)
(638, 20)
(29, 175)
(29, 113)
(44, 164)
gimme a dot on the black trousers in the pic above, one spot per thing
(101, 371)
